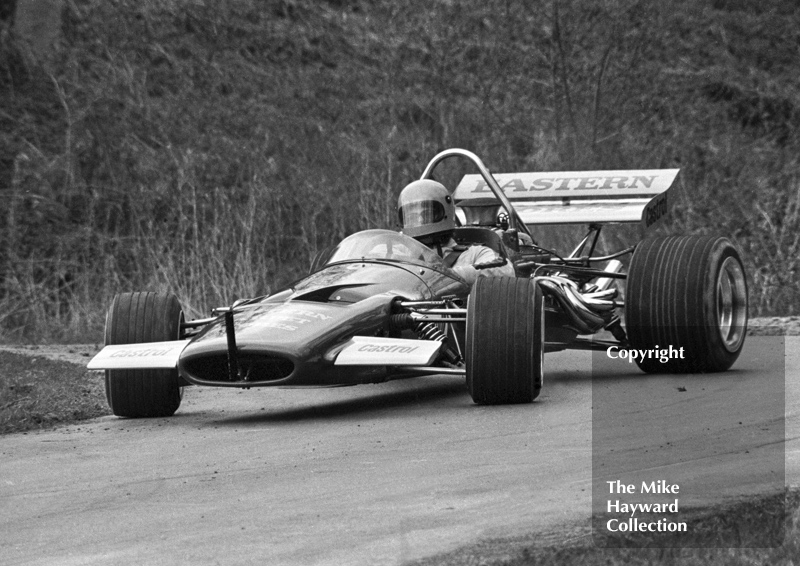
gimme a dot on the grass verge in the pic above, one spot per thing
(212, 149)
(734, 531)
(36, 392)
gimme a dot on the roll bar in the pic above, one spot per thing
(514, 221)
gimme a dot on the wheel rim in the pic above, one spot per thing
(731, 304)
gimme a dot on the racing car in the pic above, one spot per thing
(380, 305)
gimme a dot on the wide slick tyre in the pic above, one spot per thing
(505, 340)
(137, 318)
(687, 292)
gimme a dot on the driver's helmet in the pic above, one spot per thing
(426, 211)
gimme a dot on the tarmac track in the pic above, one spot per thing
(388, 473)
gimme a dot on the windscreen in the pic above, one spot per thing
(384, 244)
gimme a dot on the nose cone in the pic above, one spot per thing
(285, 327)
(282, 341)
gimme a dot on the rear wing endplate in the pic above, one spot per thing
(574, 197)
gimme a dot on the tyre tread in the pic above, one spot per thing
(667, 301)
(502, 340)
(137, 318)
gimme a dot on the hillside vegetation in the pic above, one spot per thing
(212, 148)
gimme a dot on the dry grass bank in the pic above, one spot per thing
(211, 149)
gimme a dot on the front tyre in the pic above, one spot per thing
(687, 292)
(137, 318)
(505, 340)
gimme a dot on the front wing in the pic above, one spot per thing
(358, 351)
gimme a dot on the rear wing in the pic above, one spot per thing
(578, 197)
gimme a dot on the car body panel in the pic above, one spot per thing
(293, 337)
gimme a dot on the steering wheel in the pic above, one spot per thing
(388, 240)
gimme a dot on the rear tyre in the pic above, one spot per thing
(135, 318)
(687, 292)
(505, 340)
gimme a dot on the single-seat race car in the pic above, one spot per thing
(380, 305)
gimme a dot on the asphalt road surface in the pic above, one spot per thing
(389, 473)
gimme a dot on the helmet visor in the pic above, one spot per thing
(421, 213)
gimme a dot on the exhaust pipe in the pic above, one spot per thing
(580, 316)
(588, 312)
